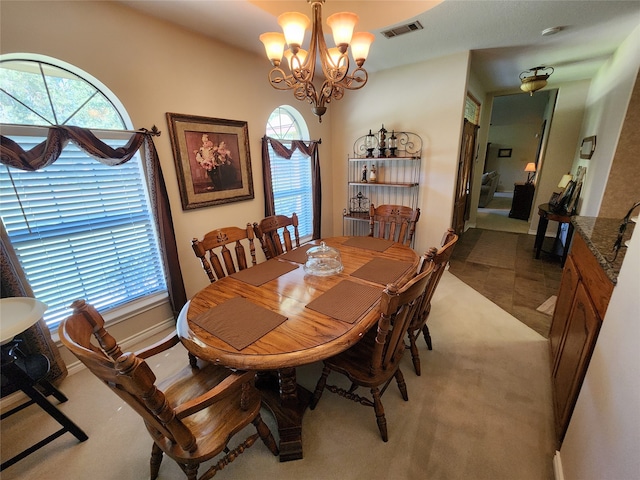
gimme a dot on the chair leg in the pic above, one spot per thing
(322, 382)
(415, 356)
(265, 434)
(156, 460)
(193, 360)
(427, 336)
(380, 418)
(191, 470)
(401, 385)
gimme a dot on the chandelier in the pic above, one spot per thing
(302, 64)
(534, 79)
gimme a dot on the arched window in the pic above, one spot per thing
(81, 229)
(291, 178)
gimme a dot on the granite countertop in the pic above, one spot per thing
(600, 234)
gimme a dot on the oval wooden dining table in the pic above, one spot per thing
(306, 335)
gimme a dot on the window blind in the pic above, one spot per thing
(292, 188)
(81, 229)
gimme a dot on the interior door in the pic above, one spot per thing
(462, 200)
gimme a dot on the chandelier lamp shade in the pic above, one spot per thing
(535, 79)
(301, 64)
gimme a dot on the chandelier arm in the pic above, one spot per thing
(356, 80)
(280, 80)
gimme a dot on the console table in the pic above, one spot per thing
(522, 199)
(558, 248)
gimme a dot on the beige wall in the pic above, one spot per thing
(623, 187)
(606, 105)
(415, 99)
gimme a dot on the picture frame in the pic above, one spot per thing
(565, 196)
(553, 201)
(212, 160)
(587, 147)
(572, 205)
(504, 152)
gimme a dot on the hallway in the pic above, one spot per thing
(518, 288)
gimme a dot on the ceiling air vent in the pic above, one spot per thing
(402, 29)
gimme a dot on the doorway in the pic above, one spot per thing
(516, 136)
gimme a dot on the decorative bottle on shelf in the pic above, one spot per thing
(382, 146)
(372, 174)
(369, 143)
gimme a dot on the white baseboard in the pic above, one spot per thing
(129, 342)
(558, 474)
(17, 398)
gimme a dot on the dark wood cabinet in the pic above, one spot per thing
(583, 297)
(522, 200)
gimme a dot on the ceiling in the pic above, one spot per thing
(505, 36)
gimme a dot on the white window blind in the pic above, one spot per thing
(292, 188)
(81, 229)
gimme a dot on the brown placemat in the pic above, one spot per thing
(263, 272)
(298, 255)
(369, 243)
(239, 322)
(347, 301)
(382, 270)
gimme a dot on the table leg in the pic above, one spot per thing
(567, 243)
(287, 401)
(540, 233)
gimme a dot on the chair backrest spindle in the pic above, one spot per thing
(268, 233)
(394, 222)
(217, 259)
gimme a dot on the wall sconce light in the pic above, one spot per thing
(531, 171)
(534, 79)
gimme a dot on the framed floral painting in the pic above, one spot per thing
(212, 160)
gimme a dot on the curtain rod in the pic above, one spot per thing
(154, 130)
(286, 140)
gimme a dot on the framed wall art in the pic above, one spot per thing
(587, 147)
(212, 160)
(504, 152)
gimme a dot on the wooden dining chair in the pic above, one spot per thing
(393, 222)
(191, 415)
(374, 361)
(217, 259)
(274, 234)
(436, 259)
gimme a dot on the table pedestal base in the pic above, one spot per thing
(287, 401)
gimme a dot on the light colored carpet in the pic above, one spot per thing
(481, 410)
(496, 215)
(500, 201)
(495, 250)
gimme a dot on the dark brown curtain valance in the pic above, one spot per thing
(48, 152)
(309, 149)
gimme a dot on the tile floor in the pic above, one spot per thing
(519, 291)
